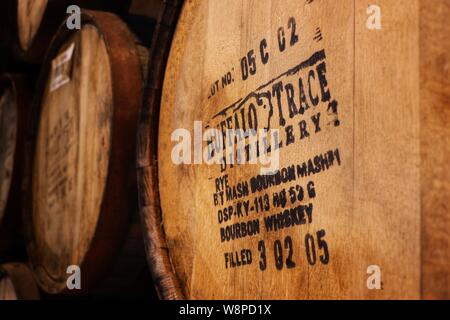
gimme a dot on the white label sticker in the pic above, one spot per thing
(61, 68)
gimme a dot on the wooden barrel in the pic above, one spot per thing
(303, 150)
(164, 277)
(31, 24)
(17, 282)
(14, 107)
(81, 187)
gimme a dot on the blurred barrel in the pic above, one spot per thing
(17, 283)
(81, 187)
(14, 108)
(355, 96)
(29, 25)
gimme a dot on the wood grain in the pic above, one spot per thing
(435, 148)
(386, 147)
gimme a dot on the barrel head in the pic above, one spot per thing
(72, 153)
(333, 190)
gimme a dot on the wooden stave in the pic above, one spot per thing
(146, 160)
(435, 151)
(22, 280)
(11, 237)
(116, 35)
(51, 20)
(162, 271)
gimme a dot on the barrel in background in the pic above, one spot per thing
(29, 25)
(17, 282)
(81, 186)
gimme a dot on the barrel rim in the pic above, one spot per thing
(36, 52)
(114, 217)
(163, 273)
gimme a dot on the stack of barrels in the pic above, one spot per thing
(119, 177)
(68, 143)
